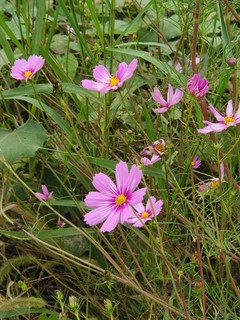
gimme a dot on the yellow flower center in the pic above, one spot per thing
(120, 199)
(229, 119)
(193, 163)
(114, 81)
(27, 74)
(145, 214)
(159, 147)
(214, 184)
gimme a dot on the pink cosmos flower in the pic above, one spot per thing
(105, 81)
(45, 195)
(213, 183)
(223, 122)
(196, 162)
(197, 86)
(112, 202)
(25, 69)
(149, 162)
(143, 214)
(178, 65)
(157, 147)
(60, 223)
(172, 98)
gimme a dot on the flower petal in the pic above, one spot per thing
(204, 130)
(133, 180)
(161, 110)
(96, 86)
(137, 196)
(121, 174)
(124, 73)
(176, 97)
(104, 184)
(216, 114)
(157, 96)
(101, 74)
(35, 63)
(98, 215)
(229, 109)
(111, 222)
(96, 199)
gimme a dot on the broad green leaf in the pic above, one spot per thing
(23, 142)
(69, 63)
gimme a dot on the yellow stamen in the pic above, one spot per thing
(214, 184)
(145, 214)
(114, 81)
(229, 119)
(193, 163)
(159, 147)
(120, 199)
(27, 74)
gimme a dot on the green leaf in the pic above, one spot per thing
(69, 64)
(23, 142)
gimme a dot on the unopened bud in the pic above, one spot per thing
(232, 61)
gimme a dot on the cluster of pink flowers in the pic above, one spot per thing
(121, 202)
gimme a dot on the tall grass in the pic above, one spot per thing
(184, 264)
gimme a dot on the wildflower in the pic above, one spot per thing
(172, 98)
(223, 122)
(197, 86)
(143, 214)
(113, 202)
(213, 183)
(148, 162)
(60, 223)
(177, 66)
(25, 69)
(157, 147)
(105, 81)
(196, 162)
(45, 195)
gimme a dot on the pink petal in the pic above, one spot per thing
(216, 114)
(126, 213)
(40, 196)
(157, 96)
(98, 215)
(169, 94)
(96, 199)
(121, 174)
(111, 222)
(133, 180)
(45, 190)
(150, 203)
(35, 63)
(161, 110)
(96, 86)
(101, 74)
(137, 196)
(128, 72)
(104, 184)
(176, 97)
(122, 69)
(218, 127)
(204, 130)
(229, 109)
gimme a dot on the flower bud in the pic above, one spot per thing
(232, 61)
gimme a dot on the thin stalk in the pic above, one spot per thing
(195, 34)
